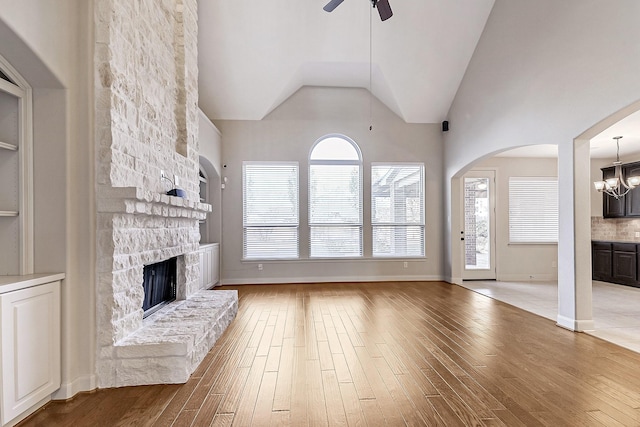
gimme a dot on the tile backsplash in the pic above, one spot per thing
(615, 229)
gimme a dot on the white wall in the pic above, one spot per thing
(49, 43)
(287, 134)
(516, 262)
(543, 72)
(48, 28)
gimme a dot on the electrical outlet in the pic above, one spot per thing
(163, 175)
(176, 181)
(406, 264)
(260, 267)
(637, 234)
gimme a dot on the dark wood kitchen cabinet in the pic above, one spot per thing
(632, 199)
(623, 266)
(601, 261)
(616, 262)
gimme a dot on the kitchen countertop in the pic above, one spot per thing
(15, 283)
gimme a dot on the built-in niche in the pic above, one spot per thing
(204, 198)
(16, 257)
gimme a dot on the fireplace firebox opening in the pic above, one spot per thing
(159, 285)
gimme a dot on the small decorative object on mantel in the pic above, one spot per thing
(174, 191)
(617, 186)
(178, 192)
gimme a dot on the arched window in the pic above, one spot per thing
(335, 198)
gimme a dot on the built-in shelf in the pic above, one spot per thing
(7, 146)
(8, 213)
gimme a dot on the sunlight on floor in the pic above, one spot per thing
(616, 308)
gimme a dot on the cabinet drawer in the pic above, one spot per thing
(603, 246)
(624, 247)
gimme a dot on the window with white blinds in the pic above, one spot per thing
(397, 209)
(270, 210)
(533, 210)
(335, 199)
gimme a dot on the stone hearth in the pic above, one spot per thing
(173, 341)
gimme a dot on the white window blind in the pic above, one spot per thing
(533, 210)
(270, 210)
(397, 209)
(335, 199)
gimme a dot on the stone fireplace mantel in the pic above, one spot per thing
(137, 228)
(133, 200)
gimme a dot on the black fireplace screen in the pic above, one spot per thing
(159, 285)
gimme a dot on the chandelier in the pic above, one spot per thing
(617, 186)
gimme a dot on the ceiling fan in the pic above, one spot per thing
(382, 5)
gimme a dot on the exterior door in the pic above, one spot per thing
(478, 201)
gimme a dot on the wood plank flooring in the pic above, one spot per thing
(419, 353)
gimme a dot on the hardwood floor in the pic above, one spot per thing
(420, 353)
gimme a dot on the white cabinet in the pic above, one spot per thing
(30, 338)
(209, 265)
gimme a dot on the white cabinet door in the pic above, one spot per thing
(30, 347)
(215, 264)
(209, 265)
(207, 268)
(201, 253)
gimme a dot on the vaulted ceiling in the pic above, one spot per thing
(253, 55)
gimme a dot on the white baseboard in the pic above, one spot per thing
(347, 279)
(454, 280)
(575, 325)
(527, 277)
(68, 390)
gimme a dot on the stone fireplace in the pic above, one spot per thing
(146, 125)
(138, 228)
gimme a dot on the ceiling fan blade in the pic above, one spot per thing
(384, 9)
(332, 5)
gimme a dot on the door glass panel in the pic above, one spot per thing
(477, 224)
